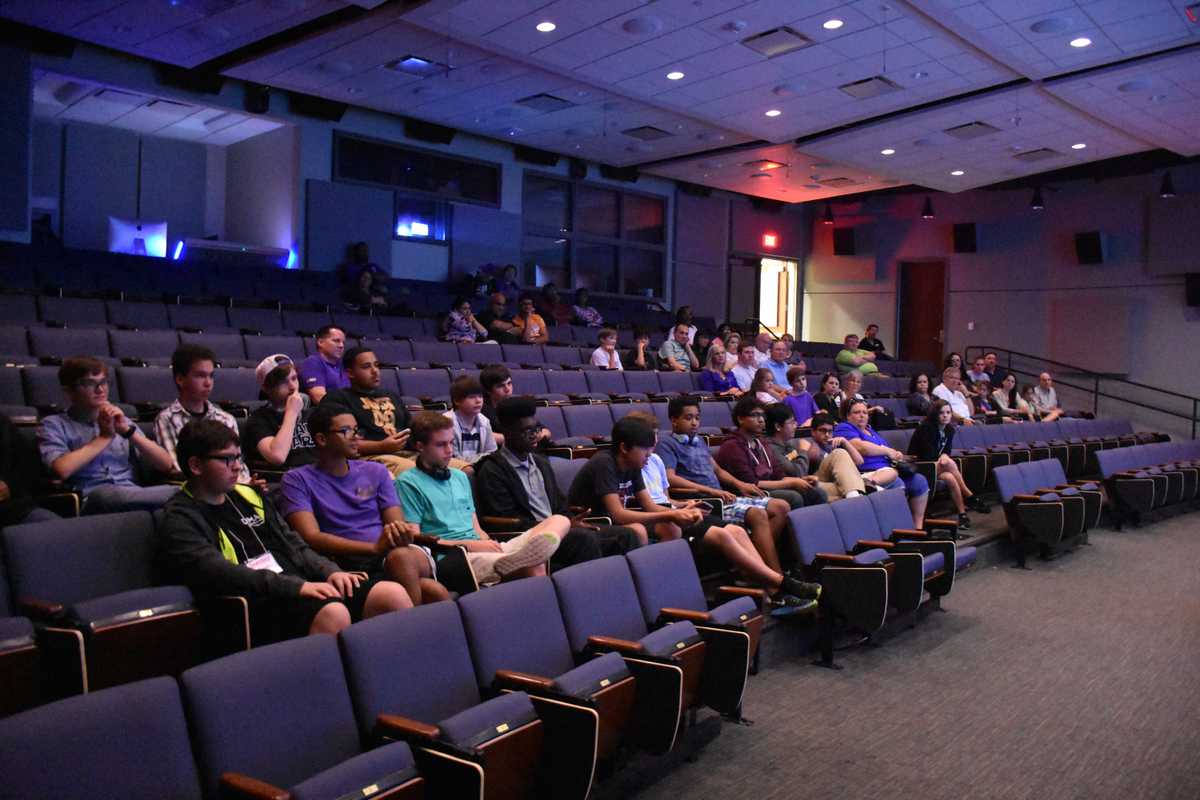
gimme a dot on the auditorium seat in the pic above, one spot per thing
(151, 347)
(56, 344)
(390, 351)
(18, 309)
(235, 388)
(572, 384)
(894, 519)
(197, 317)
(643, 382)
(610, 383)
(129, 742)
(147, 388)
(1046, 521)
(675, 383)
(355, 325)
(602, 614)
(21, 669)
(1142, 478)
(529, 382)
(561, 356)
(435, 352)
(258, 320)
(77, 312)
(430, 386)
(593, 421)
(124, 314)
(466, 746)
(523, 353)
(305, 323)
(89, 583)
(402, 327)
(14, 340)
(42, 390)
(669, 590)
(228, 347)
(12, 396)
(480, 354)
(259, 347)
(585, 708)
(277, 721)
(620, 410)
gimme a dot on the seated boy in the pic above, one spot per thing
(606, 354)
(473, 437)
(347, 510)
(438, 499)
(746, 457)
(219, 537)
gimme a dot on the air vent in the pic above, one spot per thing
(838, 183)
(776, 42)
(1041, 154)
(972, 130)
(544, 103)
(764, 164)
(647, 133)
(415, 65)
(869, 87)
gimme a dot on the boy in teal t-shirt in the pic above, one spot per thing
(439, 500)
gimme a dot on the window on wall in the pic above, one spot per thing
(584, 236)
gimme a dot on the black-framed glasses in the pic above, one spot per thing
(530, 432)
(348, 432)
(92, 384)
(228, 461)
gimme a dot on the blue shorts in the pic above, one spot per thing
(914, 485)
(735, 512)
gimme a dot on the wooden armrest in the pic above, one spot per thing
(433, 542)
(909, 533)
(500, 523)
(42, 609)
(872, 544)
(837, 558)
(523, 680)
(1027, 498)
(1045, 490)
(744, 591)
(577, 511)
(612, 643)
(236, 784)
(686, 614)
(941, 523)
(399, 727)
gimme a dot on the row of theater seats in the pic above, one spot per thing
(526, 685)
(1043, 509)
(1152, 476)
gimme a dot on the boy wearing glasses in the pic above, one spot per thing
(746, 457)
(830, 459)
(94, 449)
(347, 510)
(219, 537)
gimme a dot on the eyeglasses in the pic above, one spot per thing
(530, 433)
(823, 429)
(228, 461)
(348, 433)
(91, 385)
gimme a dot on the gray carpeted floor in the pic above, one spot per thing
(1080, 679)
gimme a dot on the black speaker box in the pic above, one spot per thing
(695, 190)
(626, 174)
(1089, 247)
(843, 242)
(316, 107)
(532, 155)
(966, 237)
(189, 79)
(258, 98)
(428, 132)
(577, 168)
(766, 204)
(1192, 281)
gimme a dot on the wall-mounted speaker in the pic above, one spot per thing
(316, 107)
(966, 237)
(1089, 247)
(626, 174)
(532, 155)
(428, 132)
(258, 98)
(577, 168)
(694, 189)
(189, 80)
(766, 204)
(843, 242)
(1192, 282)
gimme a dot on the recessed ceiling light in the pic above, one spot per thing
(956, 172)
(887, 151)
(1157, 98)
(919, 74)
(546, 27)
(1078, 146)
(774, 112)
(1082, 41)
(832, 24)
(760, 175)
(675, 76)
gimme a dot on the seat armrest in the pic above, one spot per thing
(432, 542)
(44, 610)
(685, 614)
(1045, 490)
(237, 785)
(942, 523)
(873, 544)
(759, 595)
(909, 533)
(623, 646)
(1026, 498)
(512, 679)
(836, 558)
(399, 727)
(501, 523)
(598, 520)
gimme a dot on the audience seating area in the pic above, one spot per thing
(1147, 477)
(1043, 509)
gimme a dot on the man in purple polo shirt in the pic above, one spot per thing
(322, 372)
(347, 510)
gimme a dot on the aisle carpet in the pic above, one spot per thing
(1080, 679)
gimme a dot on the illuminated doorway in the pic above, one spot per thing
(777, 293)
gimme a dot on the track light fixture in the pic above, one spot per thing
(927, 209)
(1167, 189)
(1037, 203)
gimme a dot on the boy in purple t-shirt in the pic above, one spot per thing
(348, 511)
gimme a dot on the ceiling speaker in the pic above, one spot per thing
(626, 174)
(428, 132)
(843, 242)
(316, 107)
(1089, 247)
(966, 237)
(258, 98)
(532, 155)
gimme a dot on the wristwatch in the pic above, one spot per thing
(129, 432)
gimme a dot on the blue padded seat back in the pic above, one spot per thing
(523, 353)
(435, 352)
(565, 381)
(815, 530)
(427, 382)
(70, 560)
(1049, 431)
(665, 577)
(426, 643)
(994, 434)
(594, 419)
(259, 347)
(1052, 472)
(407, 327)
(664, 419)
(11, 391)
(891, 511)
(678, 382)
(359, 324)
(14, 340)
(565, 470)
(598, 598)
(202, 316)
(605, 381)
(128, 742)
(77, 311)
(226, 346)
(968, 436)
(153, 343)
(897, 439)
(1009, 481)
(147, 384)
(537, 645)
(279, 713)
(619, 410)
(552, 418)
(561, 355)
(529, 382)
(642, 381)
(307, 321)
(856, 519)
(479, 353)
(263, 320)
(65, 342)
(390, 351)
(234, 384)
(18, 309)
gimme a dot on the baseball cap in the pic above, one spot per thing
(266, 365)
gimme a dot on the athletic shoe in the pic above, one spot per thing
(537, 550)
(784, 605)
(964, 522)
(975, 503)
(803, 589)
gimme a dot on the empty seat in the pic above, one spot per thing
(137, 315)
(148, 388)
(75, 311)
(480, 353)
(305, 323)
(356, 324)
(1042, 521)
(523, 353)
(13, 340)
(59, 343)
(402, 327)
(198, 317)
(18, 309)
(675, 382)
(592, 421)
(529, 382)
(602, 614)
(128, 742)
(12, 393)
(390, 351)
(561, 356)
(470, 747)
(42, 390)
(150, 346)
(610, 383)
(619, 410)
(431, 386)
(256, 320)
(90, 582)
(228, 347)
(572, 384)
(259, 347)
(894, 519)
(585, 708)
(435, 352)
(305, 741)
(235, 385)
(645, 382)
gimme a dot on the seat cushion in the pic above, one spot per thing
(592, 676)
(873, 556)
(964, 557)
(366, 775)
(471, 728)
(670, 638)
(932, 563)
(734, 612)
(15, 633)
(131, 605)
(1049, 497)
(1089, 487)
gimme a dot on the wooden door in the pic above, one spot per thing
(922, 311)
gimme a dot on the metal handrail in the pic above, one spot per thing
(1096, 377)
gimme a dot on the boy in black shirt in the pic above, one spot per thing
(220, 538)
(276, 435)
(381, 416)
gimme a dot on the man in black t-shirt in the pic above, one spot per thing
(219, 537)
(381, 416)
(276, 435)
(870, 341)
(497, 320)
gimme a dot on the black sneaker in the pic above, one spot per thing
(805, 590)
(964, 522)
(975, 503)
(783, 605)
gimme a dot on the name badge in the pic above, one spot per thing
(265, 561)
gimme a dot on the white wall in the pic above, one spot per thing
(260, 189)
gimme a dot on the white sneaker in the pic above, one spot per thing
(537, 550)
(853, 493)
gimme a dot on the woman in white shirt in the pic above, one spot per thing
(606, 354)
(733, 341)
